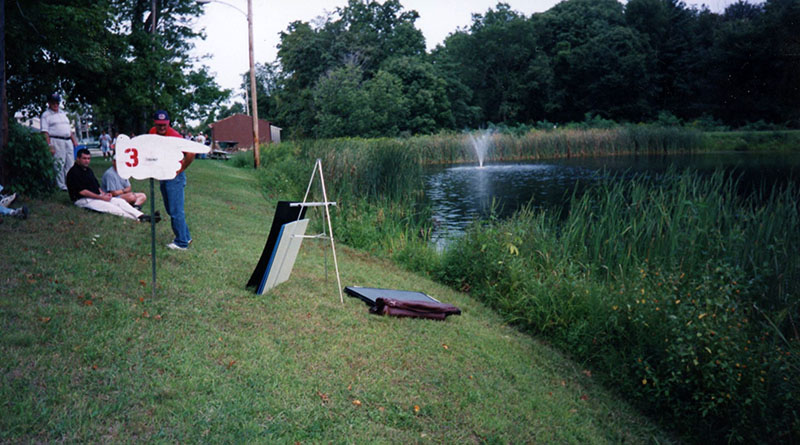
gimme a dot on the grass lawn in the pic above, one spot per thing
(89, 355)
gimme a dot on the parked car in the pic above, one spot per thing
(222, 151)
(219, 154)
(91, 144)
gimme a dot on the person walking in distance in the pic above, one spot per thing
(172, 190)
(59, 137)
(105, 145)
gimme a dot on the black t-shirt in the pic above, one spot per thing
(79, 178)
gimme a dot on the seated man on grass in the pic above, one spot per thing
(85, 192)
(119, 187)
(5, 202)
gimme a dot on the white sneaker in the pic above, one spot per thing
(6, 201)
(174, 246)
(21, 212)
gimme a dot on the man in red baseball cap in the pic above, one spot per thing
(172, 190)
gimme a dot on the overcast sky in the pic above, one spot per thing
(226, 28)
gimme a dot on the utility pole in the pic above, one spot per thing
(253, 95)
(256, 154)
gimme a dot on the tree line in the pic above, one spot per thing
(363, 70)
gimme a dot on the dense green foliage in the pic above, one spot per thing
(752, 140)
(680, 293)
(104, 59)
(625, 62)
(30, 164)
(683, 294)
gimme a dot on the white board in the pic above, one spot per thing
(284, 255)
(152, 155)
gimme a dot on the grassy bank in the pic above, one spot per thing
(89, 356)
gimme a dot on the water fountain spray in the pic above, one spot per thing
(481, 144)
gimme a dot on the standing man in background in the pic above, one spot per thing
(105, 145)
(60, 138)
(172, 189)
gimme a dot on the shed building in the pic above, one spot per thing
(239, 128)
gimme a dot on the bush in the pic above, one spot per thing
(761, 125)
(29, 162)
(708, 123)
(242, 159)
(667, 119)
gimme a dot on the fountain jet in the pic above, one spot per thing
(481, 144)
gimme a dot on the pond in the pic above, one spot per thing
(462, 193)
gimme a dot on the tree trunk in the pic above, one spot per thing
(3, 98)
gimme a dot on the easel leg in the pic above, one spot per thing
(330, 230)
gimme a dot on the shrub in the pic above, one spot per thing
(29, 162)
(667, 119)
(242, 159)
(708, 123)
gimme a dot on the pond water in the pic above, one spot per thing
(463, 193)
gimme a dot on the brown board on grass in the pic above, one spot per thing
(402, 303)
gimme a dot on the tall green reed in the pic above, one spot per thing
(345, 155)
(560, 143)
(378, 185)
(680, 291)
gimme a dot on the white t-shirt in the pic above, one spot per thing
(105, 139)
(56, 123)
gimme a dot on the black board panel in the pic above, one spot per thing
(283, 214)
(370, 295)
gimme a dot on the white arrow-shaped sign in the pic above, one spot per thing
(152, 155)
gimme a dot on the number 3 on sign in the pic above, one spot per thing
(134, 157)
(153, 156)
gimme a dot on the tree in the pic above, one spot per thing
(500, 60)
(424, 94)
(609, 76)
(755, 63)
(574, 22)
(56, 45)
(361, 34)
(387, 103)
(341, 103)
(103, 54)
(679, 47)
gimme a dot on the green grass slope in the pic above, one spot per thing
(89, 355)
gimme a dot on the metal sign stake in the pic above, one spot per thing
(153, 232)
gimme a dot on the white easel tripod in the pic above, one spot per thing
(325, 203)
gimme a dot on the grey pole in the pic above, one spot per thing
(153, 232)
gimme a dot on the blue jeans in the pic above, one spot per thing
(5, 210)
(172, 193)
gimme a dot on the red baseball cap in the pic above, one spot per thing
(161, 117)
